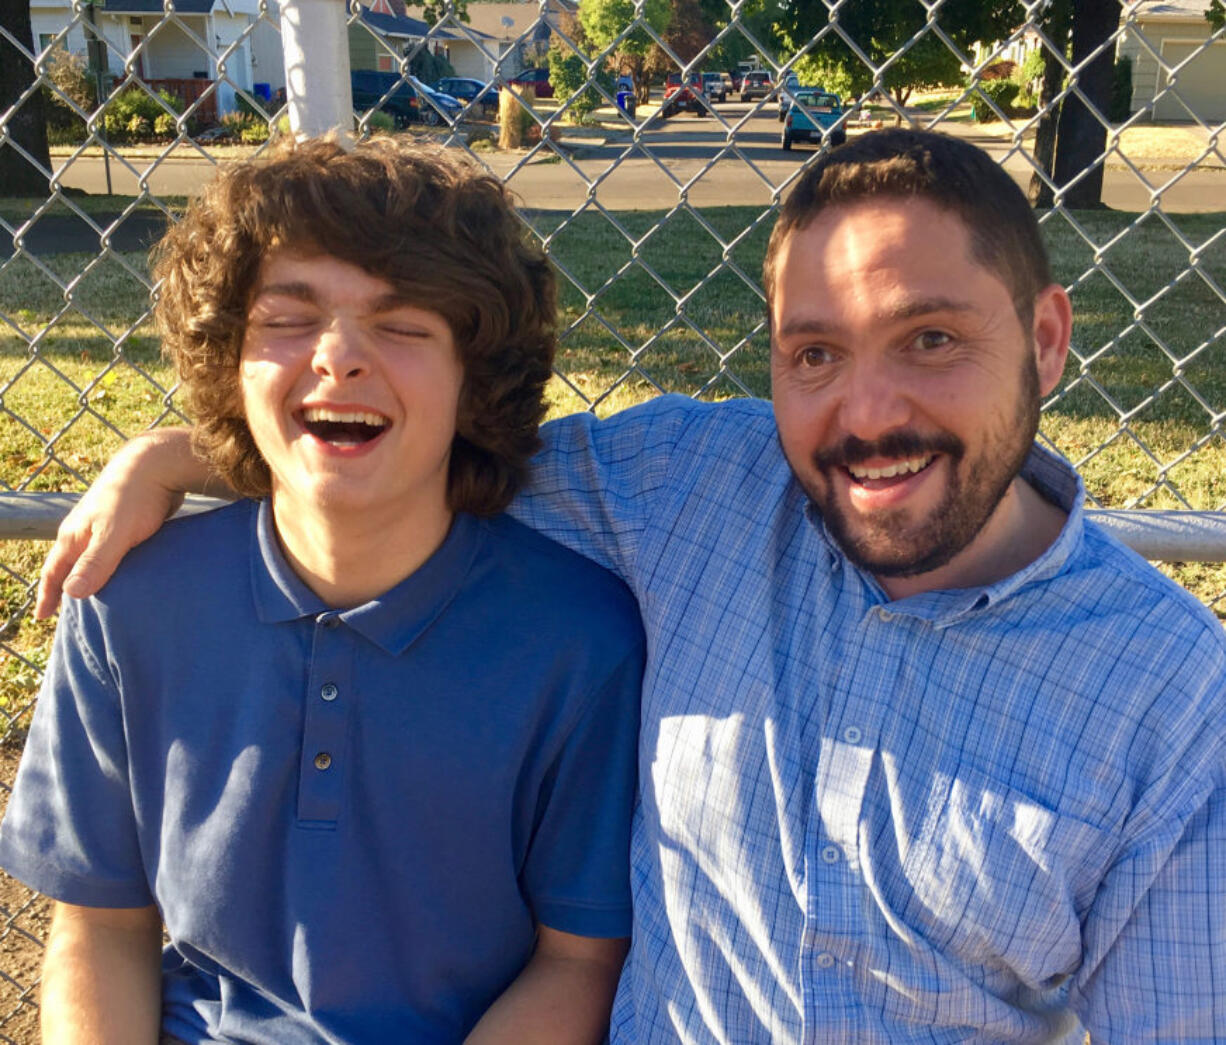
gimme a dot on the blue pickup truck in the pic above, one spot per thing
(811, 116)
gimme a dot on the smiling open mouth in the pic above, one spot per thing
(899, 469)
(343, 427)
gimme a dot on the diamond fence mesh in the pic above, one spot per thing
(653, 199)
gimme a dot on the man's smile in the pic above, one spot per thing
(861, 472)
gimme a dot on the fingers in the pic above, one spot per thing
(71, 543)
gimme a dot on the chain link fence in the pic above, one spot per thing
(655, 214)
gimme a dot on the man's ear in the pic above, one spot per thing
(1053, 328)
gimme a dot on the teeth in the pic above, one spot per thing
(915, 464)
(362, 417)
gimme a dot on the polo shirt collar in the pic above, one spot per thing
(391, 621)
(1053, 477)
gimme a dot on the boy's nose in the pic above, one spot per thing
(339, 353)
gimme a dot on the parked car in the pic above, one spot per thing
(435, 105)
(537, 79)
(756, 84)
(386, 92)
(715, 86)
(469, 91)
(811, 118)
(789, 86)
(679, 94)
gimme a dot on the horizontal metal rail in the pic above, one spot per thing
(1160, 536)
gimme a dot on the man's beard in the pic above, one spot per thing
(890, 543)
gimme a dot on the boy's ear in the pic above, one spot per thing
(1051, 333)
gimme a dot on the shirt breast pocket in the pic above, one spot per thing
(997, 882)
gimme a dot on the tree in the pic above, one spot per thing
(1072, 139)
(1215, 14)
(1082, 133)
(881, 29)
(27, 125)
(434, 11)
(1055, 26)
(604, 21)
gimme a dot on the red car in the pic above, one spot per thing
(679, 95)
(537, 79)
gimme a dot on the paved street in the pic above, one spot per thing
(674, 156)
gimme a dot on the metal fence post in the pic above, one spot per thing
(315, 41)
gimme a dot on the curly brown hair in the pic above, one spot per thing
(441, 231)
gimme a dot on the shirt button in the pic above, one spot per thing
(330, 622)
(323, 760)
(884, 614)
(329, 692)
(852, 734)
(830, 854)
(825, 960)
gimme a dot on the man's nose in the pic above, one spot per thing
(340, 353)
(873, 399)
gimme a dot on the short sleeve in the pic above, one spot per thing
(594, 485)
(577, 873)
(70, 830)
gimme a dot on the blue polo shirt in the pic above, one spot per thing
(349, 820)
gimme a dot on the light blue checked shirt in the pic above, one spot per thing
(978, 815)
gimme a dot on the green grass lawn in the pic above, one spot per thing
(665, 305)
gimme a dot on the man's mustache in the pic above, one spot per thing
(900, 444)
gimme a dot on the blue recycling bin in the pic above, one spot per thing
(625, 102)
(262, 90)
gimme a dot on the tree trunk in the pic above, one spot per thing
(27, 126)
(1082, 134)
(1055, 26)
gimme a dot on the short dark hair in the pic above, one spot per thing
(949, 172)
(440, 230)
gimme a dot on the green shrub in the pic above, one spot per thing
(1002, 92)
(569, 76)
(131, 115)
(164, 125)
(73, 78)
(381, 121)
(429, 67)
(254, 133)
(245, 126)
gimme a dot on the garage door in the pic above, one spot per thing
(1201, 83)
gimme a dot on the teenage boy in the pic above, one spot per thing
(365, 745)
(928, 757)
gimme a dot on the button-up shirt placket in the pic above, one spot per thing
(327, 703)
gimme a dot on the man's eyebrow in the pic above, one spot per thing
(906, 309)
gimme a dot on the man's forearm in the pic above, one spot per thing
(562, 996)
(102, 977)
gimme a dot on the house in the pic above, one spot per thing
(179, 54)
(380, 36)
(1174, 31)
(500, 39)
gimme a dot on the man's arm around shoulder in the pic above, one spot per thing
(562, 997)
(102, 976)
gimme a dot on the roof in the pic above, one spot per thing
(1174, 10)
(138, 7)
(398, 25)
(507, 21)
